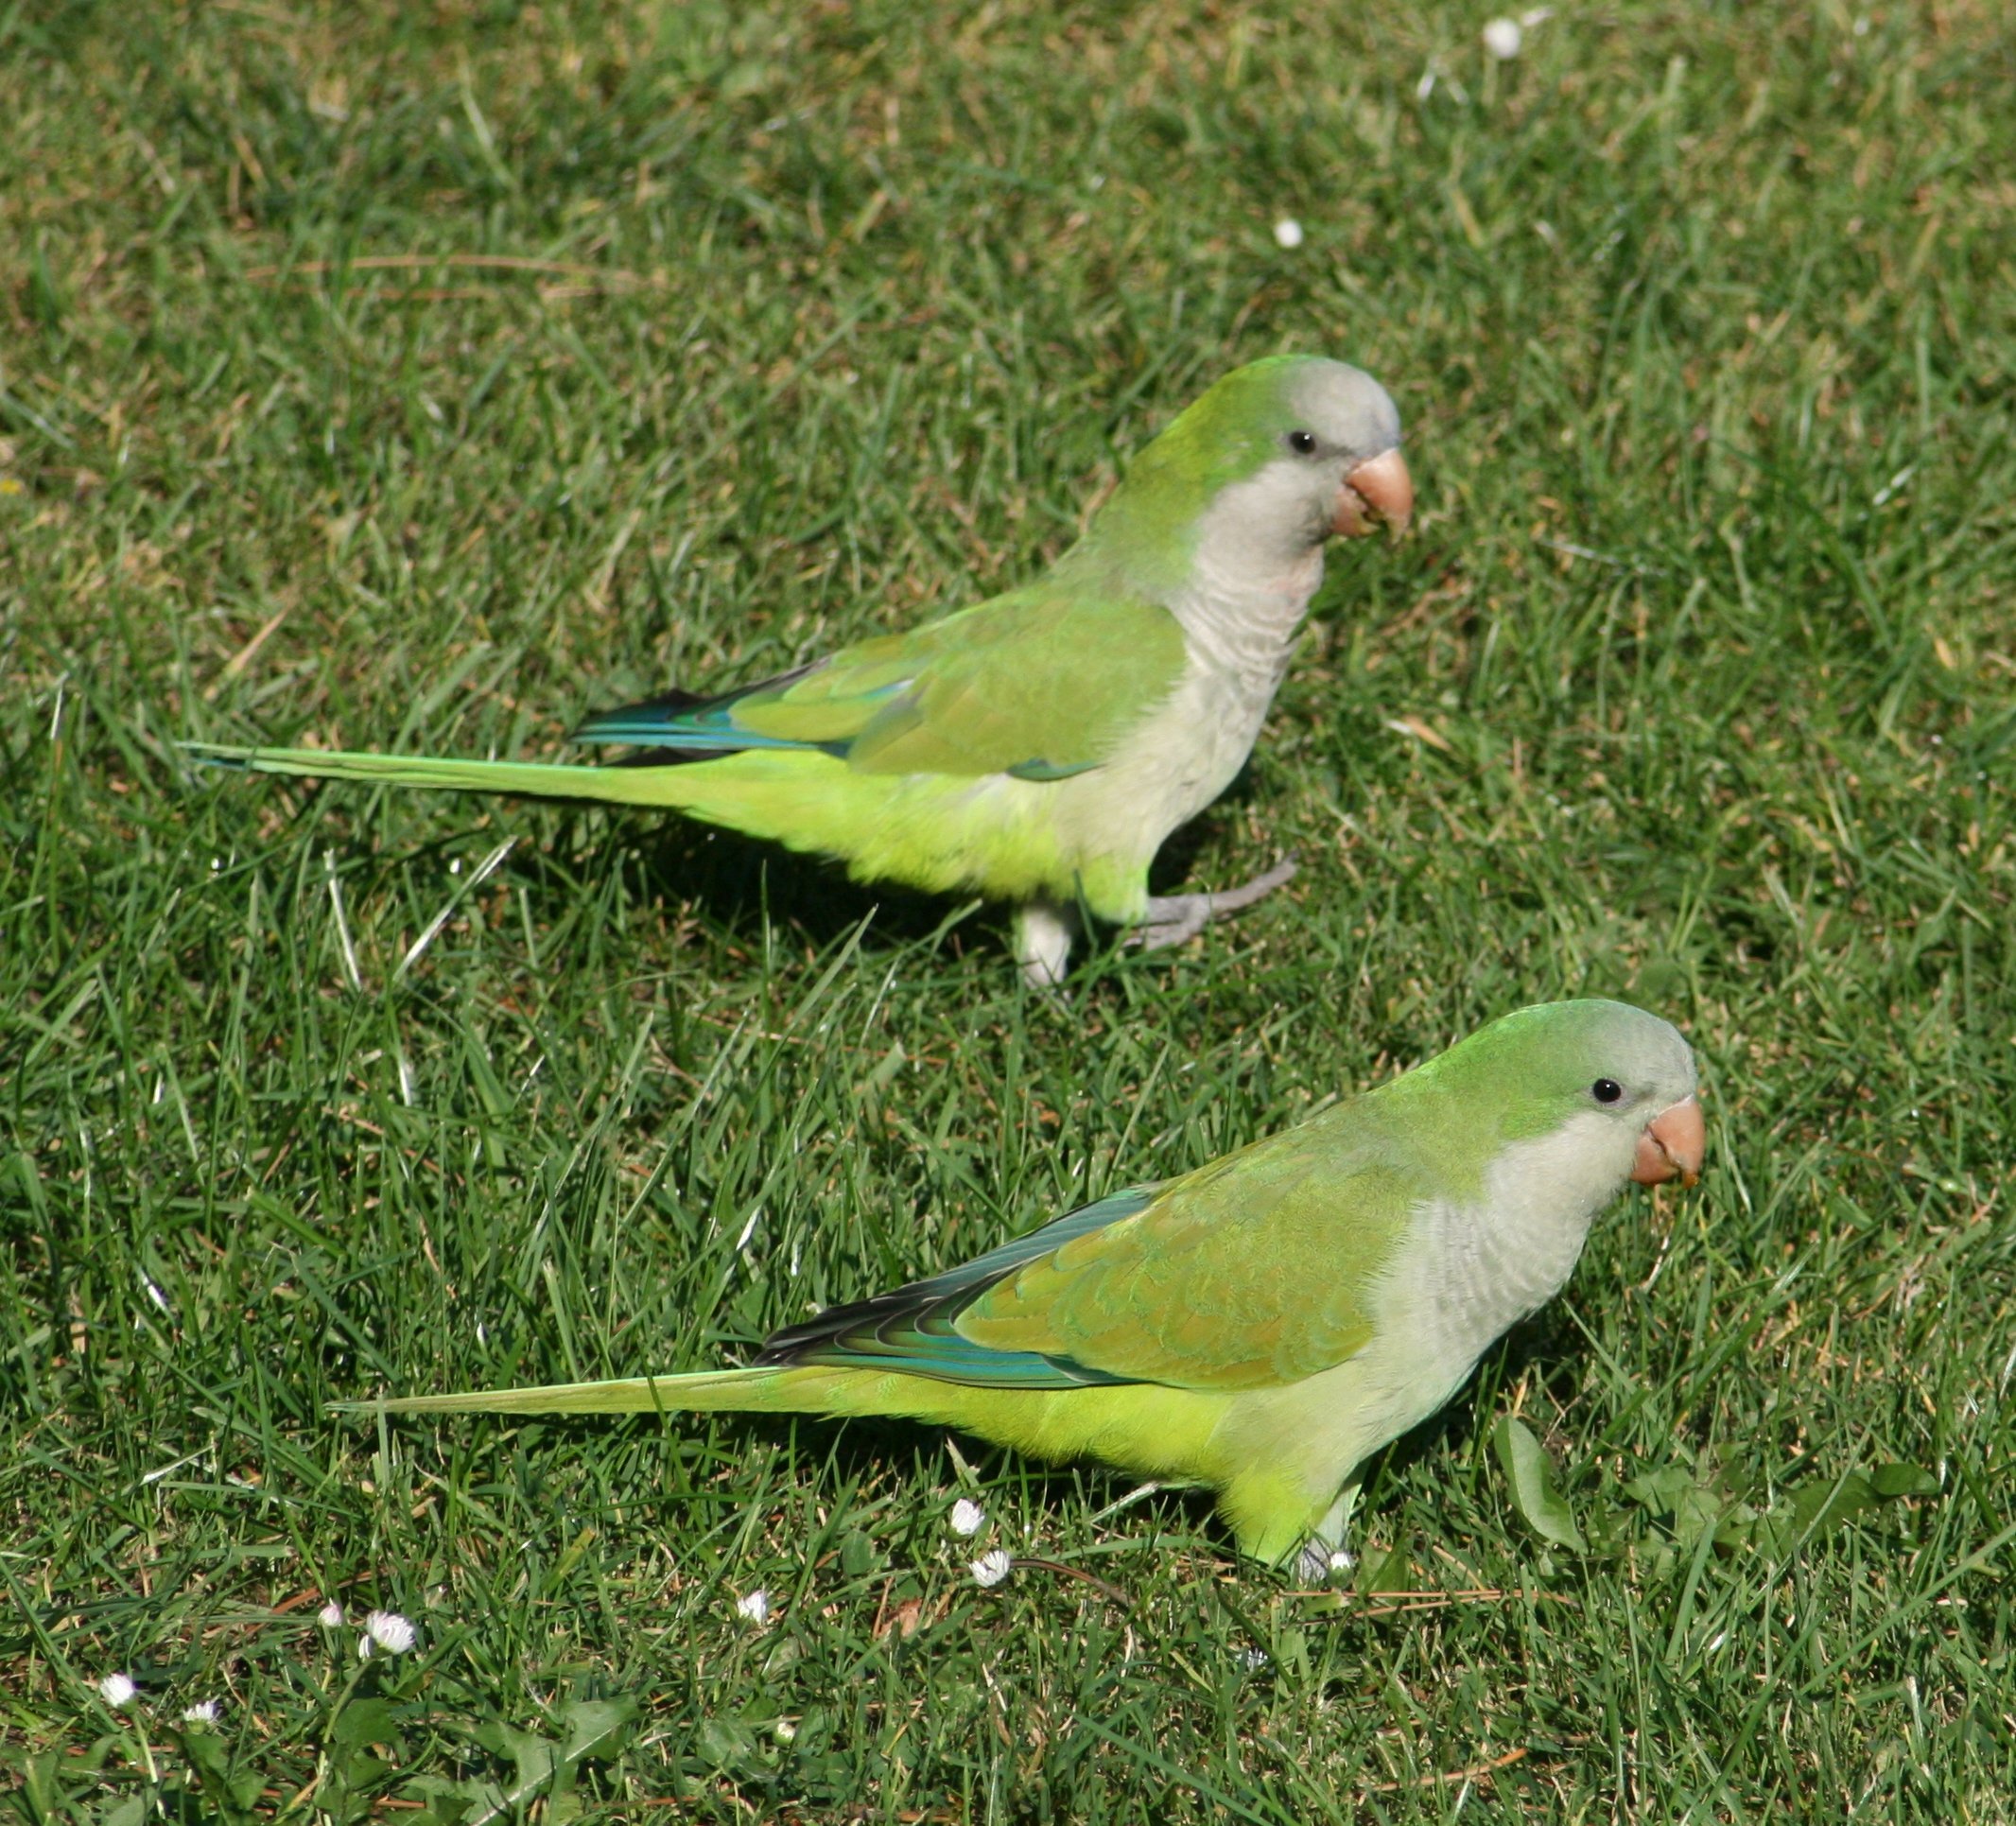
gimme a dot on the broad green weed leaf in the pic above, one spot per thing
(1893, 1480)
(1531, 1477)
(364, 1721)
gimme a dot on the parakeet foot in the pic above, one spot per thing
(1324, 1557)
(1312, 1564)
(1170, 919)
(1043, 935)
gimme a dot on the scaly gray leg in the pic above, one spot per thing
(1323, 1557)
(1043, 934)
(1169, 919)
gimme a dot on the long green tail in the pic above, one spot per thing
(1152, 1428)
(791, 1391)
(630, 785)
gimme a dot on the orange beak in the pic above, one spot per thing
(1378, 492)
(1672, 1146)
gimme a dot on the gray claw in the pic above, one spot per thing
(1171, 919)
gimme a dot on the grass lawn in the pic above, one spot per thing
(424, 377)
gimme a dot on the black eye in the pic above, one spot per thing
(1302, 443)
(1605, 1091)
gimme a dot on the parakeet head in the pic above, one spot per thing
(1276, 457)
(1319, 433)
(1615, 1085)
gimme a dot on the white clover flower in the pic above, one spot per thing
(386, 1629)
(1253, 1659)
(331, 1615)
(755, 1607)
(992, 1567)
(1341, 1563)
(968, 1517)
(202, 1712)
(1503, 38)
(1288, 233)
(117, 1689)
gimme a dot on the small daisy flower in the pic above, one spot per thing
(992, 1567)
(1288, 233)
(755, 1607)
(117, 1689)
(202, 1712)
(386, 1629)
(1503, 38)
(1253, 1659)
(331, 1615)
(968, 1517)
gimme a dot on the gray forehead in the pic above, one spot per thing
(1664, 1051)
(1345, 405)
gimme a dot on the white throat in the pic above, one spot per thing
(1257, 561)
(1508, 1253)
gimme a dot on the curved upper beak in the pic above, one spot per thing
(1672, 1146)
(1378, 492)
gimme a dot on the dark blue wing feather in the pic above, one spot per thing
(912, 1328)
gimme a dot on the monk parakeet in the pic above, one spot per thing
(1263, 1324)
(1038, 747)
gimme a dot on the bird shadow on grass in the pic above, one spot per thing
(738, 887)
(1055, 1500)
(732, 881)
(743, 890)
(1175, 869)
(867, 1453)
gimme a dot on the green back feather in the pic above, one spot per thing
(1041, 683)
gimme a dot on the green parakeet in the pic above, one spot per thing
(1264, 1323)
(1038, 747)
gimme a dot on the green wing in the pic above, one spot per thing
(1041, 683)
(1254, 1272)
